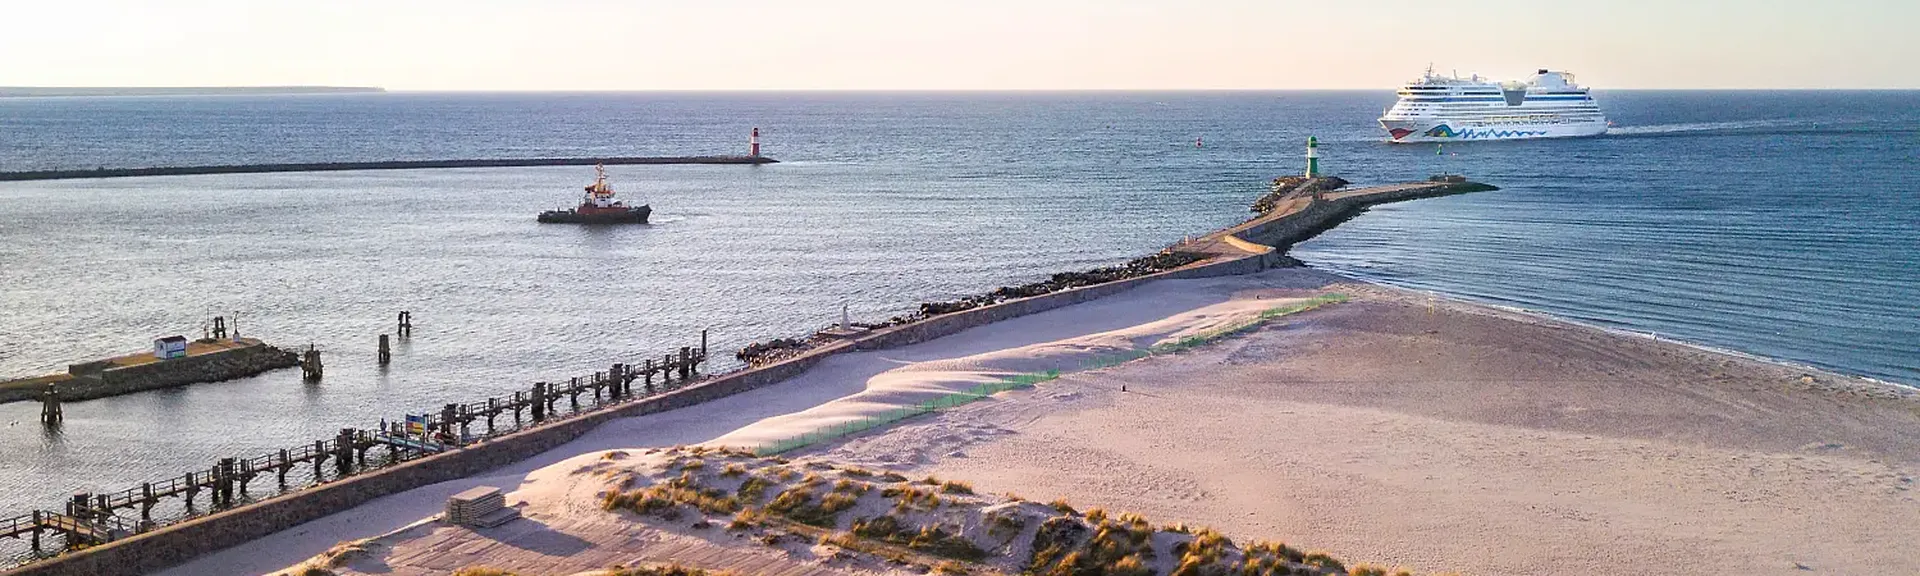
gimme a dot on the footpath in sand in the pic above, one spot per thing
(1436, 435)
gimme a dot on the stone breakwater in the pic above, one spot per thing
(381, 165)
(115, 376)
(760, 353)
(1286, 187)
(1222, 253)
(1296, 209)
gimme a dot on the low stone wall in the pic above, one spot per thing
(181, 542)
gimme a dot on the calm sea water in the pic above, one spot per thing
(1775, 223)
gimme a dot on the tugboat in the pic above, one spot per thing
(599, 207)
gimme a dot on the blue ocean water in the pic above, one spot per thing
(1774, 223)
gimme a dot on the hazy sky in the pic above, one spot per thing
(972, 44)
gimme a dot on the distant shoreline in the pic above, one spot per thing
(52, 91)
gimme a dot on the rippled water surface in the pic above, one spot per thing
(1775, 223)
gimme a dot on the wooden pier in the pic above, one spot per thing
(91, 519)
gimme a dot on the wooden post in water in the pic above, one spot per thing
(193, 489)
(466, 418)
(686, 363)
(386, 351)
(146, 502)
(648, 383)
(310, 369)
(617, 376)
(491, 412)
(539, 401)
(405, 329)
(446, 421)
(50, 412)
(518, 403)
(223, 484)
(319, 459)
(343, 452)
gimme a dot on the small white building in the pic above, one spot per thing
(170, 347)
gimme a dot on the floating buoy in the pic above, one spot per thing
(1196, 142)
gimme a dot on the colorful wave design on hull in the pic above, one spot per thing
(1444, 131)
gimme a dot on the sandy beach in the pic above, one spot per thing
(1394, 428)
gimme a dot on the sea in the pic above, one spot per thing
(1780, 224)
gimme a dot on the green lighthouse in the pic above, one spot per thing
(1313, 157)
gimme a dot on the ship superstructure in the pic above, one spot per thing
(598, 206)
(1443, 108)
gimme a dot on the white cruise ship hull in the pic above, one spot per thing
(1436, 130)
(1435, 108)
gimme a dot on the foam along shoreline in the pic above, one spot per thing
(30, 175)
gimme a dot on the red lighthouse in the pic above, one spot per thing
(753, 144)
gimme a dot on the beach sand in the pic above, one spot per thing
(1463, 438)
(1394, 428)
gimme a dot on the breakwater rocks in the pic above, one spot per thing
(1293, 187)
(129, 374)
(760, 353)
(1161, 262)
(382, 165)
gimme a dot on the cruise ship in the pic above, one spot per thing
(1436, 108)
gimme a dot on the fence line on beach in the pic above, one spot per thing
(1028, 380)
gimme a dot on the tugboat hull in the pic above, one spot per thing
(625, 216)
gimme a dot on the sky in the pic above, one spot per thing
(952, 45)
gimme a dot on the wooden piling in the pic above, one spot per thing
(446, 420)
(319, 459)
(343, 452)
(405, 328)
(539, 407)
(146, 501)
(50, 411)
(386, 351)
(223, 484)
(491, 412)
(310, 369)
